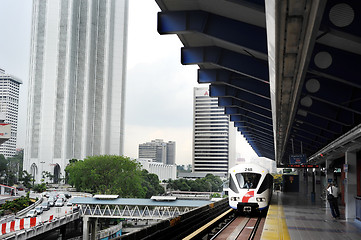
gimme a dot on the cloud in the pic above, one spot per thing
(160, 94)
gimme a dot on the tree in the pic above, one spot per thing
(46, 174)
(151, 184)
(107, 174)
(27, 179)
(3, 165)
(209, 183)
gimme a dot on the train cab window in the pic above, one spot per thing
(266, 184)
(232, 185)
(248, 180)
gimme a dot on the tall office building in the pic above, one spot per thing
(171, 153)
(77, 82)
(9, 108)
(213, 136)
(158, 151)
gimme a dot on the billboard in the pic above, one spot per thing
(298, 159)
(5, 132)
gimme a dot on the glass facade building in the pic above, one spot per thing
(77, 83)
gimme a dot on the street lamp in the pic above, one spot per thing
(42, 170)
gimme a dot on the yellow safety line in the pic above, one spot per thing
(199, 230)
(275, 226)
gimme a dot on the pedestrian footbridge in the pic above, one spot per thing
(135, 208)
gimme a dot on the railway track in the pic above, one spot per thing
(228, 226)
(242, 228)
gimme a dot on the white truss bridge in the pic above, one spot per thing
(133, 212)
(135, 208)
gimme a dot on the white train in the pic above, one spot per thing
(250, 188)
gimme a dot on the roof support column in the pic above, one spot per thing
(85, 228)
(328, 178)
(350, 185)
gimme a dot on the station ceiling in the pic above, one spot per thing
(288, 73)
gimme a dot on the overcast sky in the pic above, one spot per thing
(159, 90)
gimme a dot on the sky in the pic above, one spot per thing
(159, 89)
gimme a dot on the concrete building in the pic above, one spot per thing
(213, 135)
(163, 171)
(9, 108)
(158, 151)
(76, 88)
(171, 153)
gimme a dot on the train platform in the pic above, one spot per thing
(294, 216)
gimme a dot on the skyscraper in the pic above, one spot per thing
(213, 136)
(171, 153)
(77, 82)
(158, 151)
(9, 108)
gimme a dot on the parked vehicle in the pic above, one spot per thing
(51, 201)
(32, 213)
(62, 196)
(59, 202)
(45, 205)
(39, 209)
(67, 195)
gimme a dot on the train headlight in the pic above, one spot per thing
(261, 199)
(234, 198)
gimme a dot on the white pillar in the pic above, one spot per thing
(319, 187)
(329, 173)
(350, 185)
(85, 228)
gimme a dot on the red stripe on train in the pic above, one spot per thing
(247, 196)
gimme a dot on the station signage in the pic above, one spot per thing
(287, 170)
(298, 166)
(298, 159)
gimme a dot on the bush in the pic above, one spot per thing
(39, 187)
(16, 205)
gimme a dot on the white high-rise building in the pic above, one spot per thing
(77, 82)
(213, 136)
(158, 151)
(9, 108)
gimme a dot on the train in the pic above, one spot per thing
(250, 188)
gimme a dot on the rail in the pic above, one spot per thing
(181, 226)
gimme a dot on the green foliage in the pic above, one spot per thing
(39, 187)
(3, 164)
(10, 168)
(216, 195)
(209, 183)
(107, 174)
(17, 204)
(150, 184)
(26, 178)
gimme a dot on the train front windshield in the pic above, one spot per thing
(248, 180)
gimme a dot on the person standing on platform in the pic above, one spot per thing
(332, 194)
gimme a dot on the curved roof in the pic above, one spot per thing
(287, 72)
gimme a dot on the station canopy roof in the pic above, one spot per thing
(288, 73)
